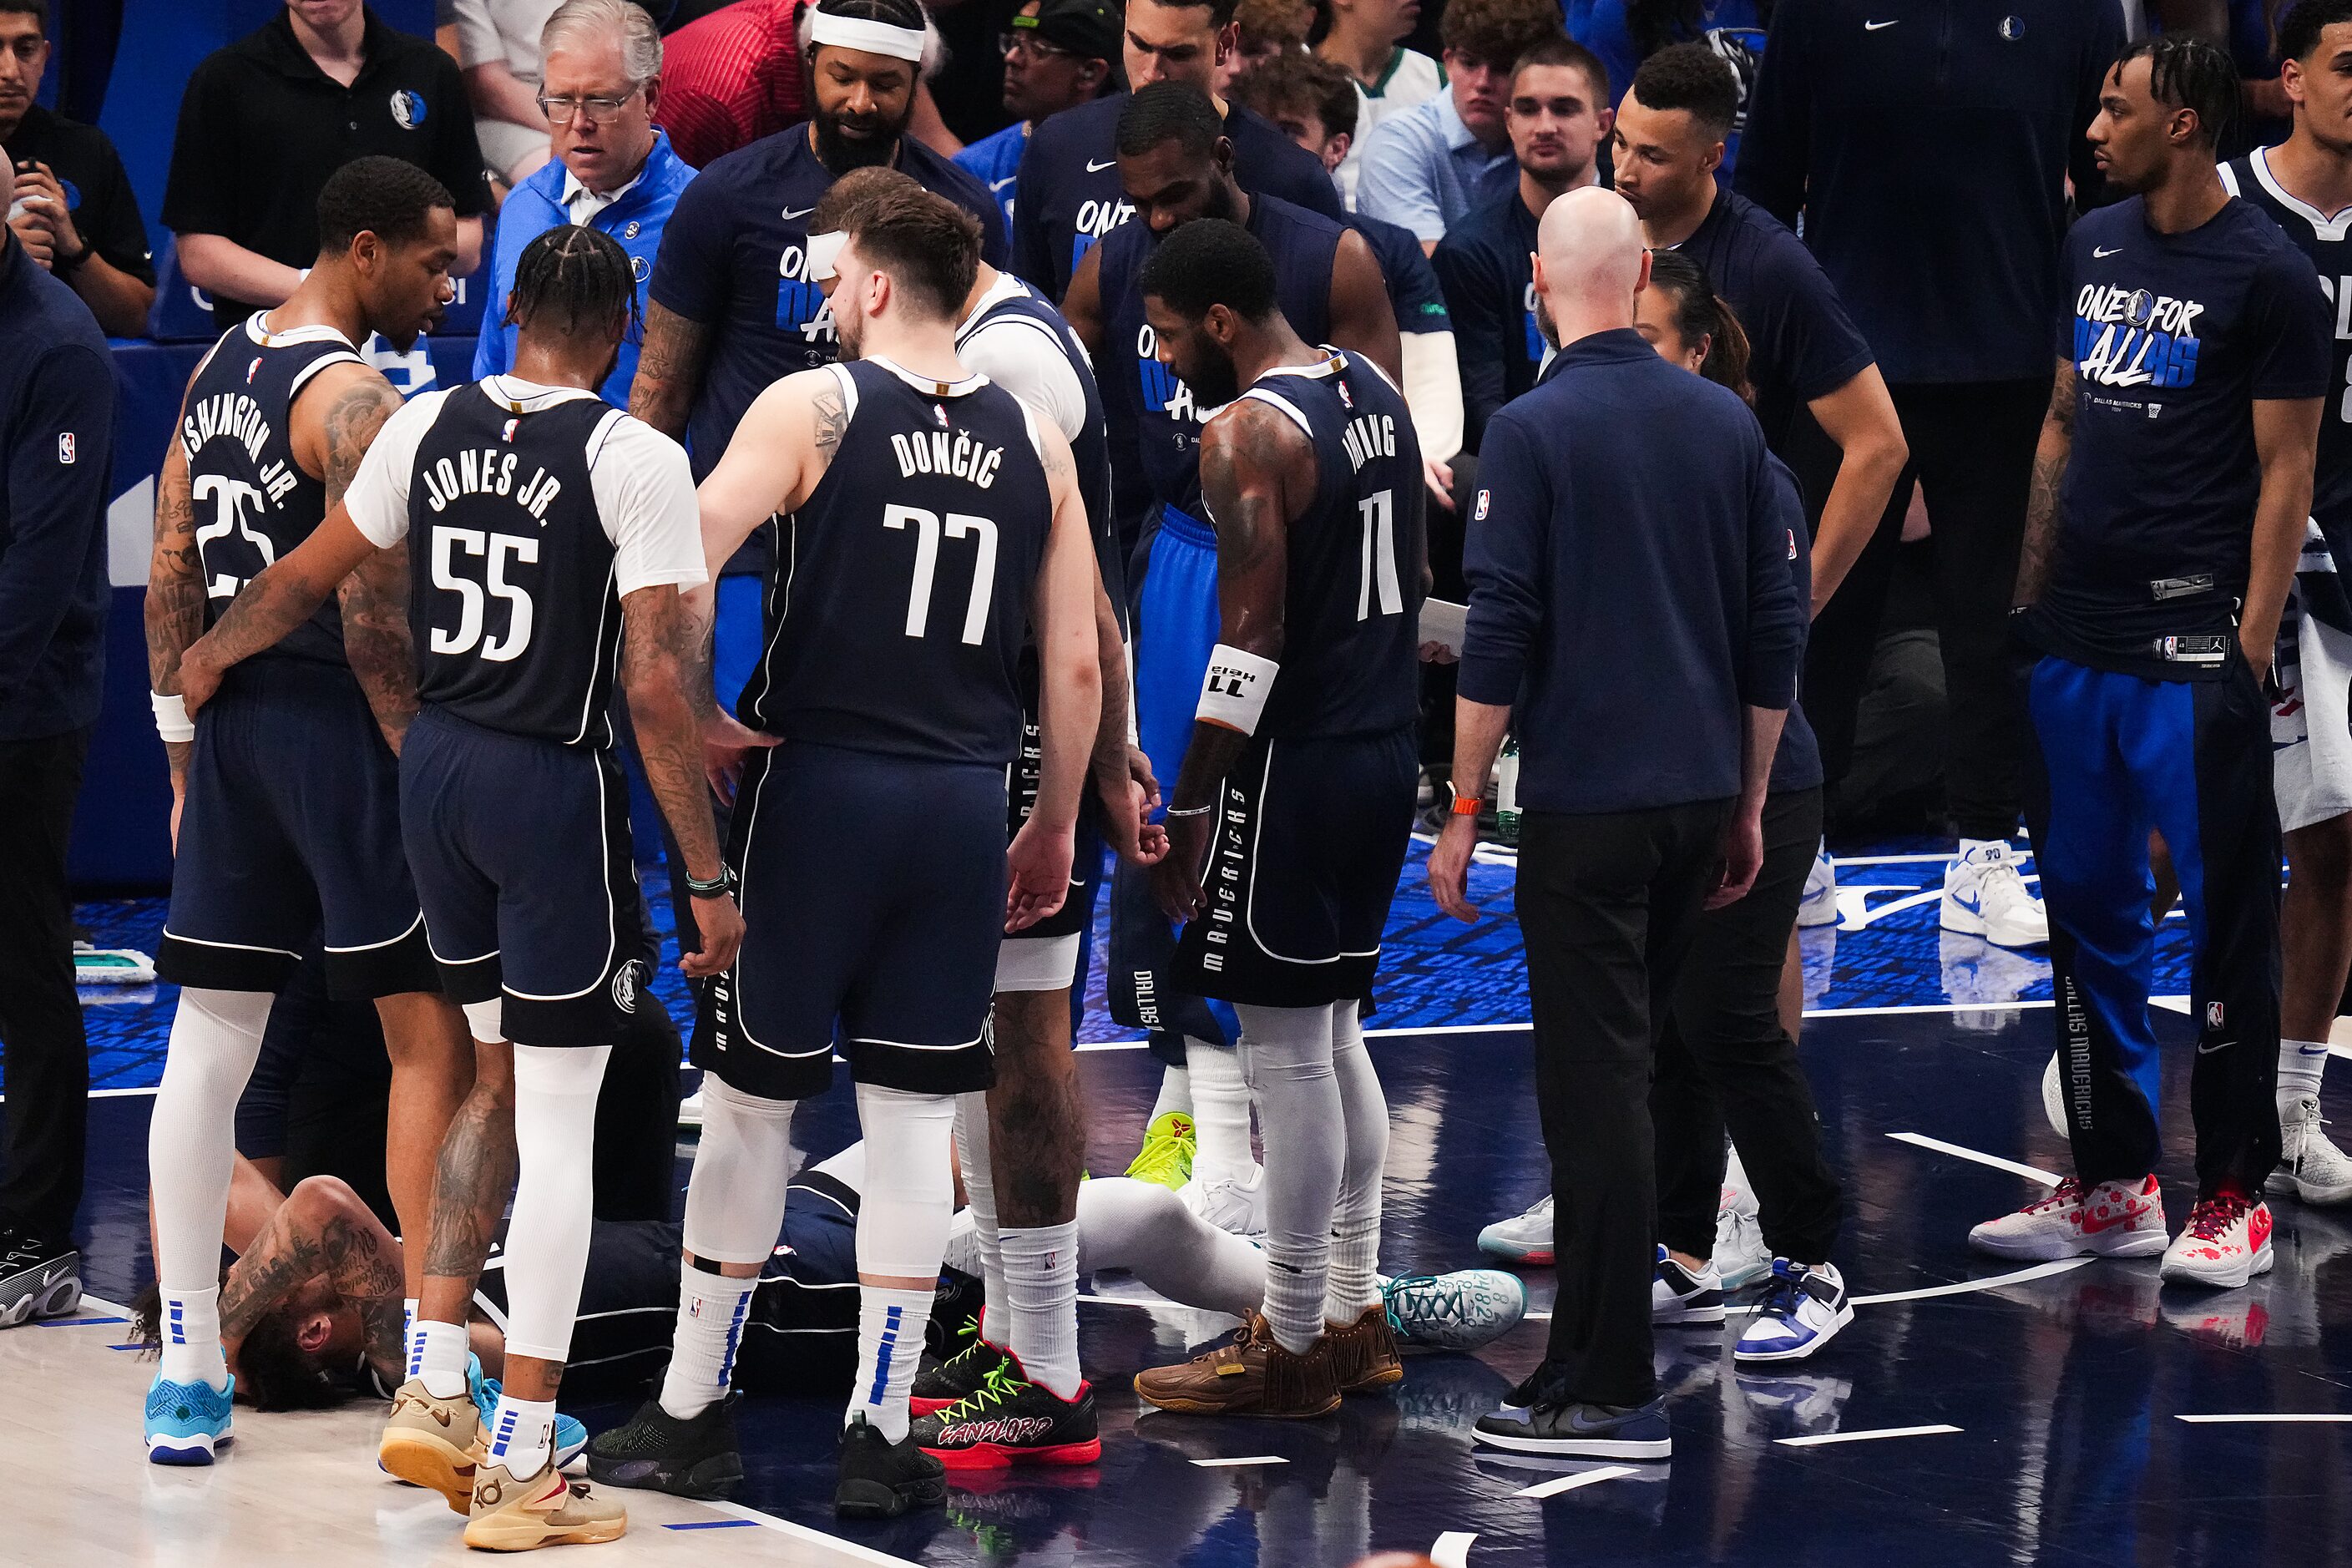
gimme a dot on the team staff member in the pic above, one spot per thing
(1056, 56)
(1068, 195)
(1557, 115)
(613, 170)
(81, 219)
(2170, 492)
(266, 120)
(1927, 147)
(1628, 517)
(57, 439)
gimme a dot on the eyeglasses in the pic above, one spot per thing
(1029, 43)
(562, 110)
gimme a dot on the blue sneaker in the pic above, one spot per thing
(1803, 1309)
(186, 1421)
(570, 1436)
(1572, 1431)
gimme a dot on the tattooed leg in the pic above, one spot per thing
(432, 1065)
(1037, 1132)
(475, 1177)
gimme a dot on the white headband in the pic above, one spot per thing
(862, 33)
(823, 249)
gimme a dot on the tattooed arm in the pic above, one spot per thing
(2050, 457)
(321, 1231)
(274, 603)
(661, 658)
(669, 370)
(374, 597)
(175, 597)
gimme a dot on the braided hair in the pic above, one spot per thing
(578, 280)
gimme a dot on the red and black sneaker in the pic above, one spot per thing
(1012, 1421)
(960, 1375)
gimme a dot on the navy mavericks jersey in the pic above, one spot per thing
(1484, 263)
(900, 597)
(2328, 242)
(734, 258)
(1069, 197)
(1155, 425)
(2173, 338)
(1352, 605)
(253, 502)
(511, 597)
(1091, 449)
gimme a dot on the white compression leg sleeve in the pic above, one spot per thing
(191, 1145)
(1355, 1284)
(1220, 1113)
(555, 1156)
(902, 1232)
(1286, 1053)
(1145, 1228)
(734, 1210)
(972, 1154)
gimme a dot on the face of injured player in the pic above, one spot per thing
(404, 285)
(1190, 349)
(860, 105)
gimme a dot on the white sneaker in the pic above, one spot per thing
(2113, 1219)
(2053, 1099)
(1819, 906)
(2226, 1242)
(1523, 1238)
(1802, 1311)
(1984, 896)
(1235, 1208)
(2310, 1166)
(1679, 1297)
(1740, 1259)
(1458, 1311)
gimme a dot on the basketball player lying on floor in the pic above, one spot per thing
(305, 1308)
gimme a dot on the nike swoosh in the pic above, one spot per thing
(801, 212)
(1095, 168)
(2203, 1050)
(1875, 27)
(2103, 255)
(999, 184)
(2092, 1224)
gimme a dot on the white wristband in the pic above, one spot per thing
(1235, 688)
(171, 720)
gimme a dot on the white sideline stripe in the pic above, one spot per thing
(1559, 1484)
(2281, 1415)
(2034, 1173)
(1989, 1282)
(803, 1532)
(1452, 1548)
(1818, 1439)
(1245, 1459)
(103, 1305)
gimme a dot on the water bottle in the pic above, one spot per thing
(1507, 792)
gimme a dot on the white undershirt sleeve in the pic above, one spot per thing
(1020, 355)
(378, 497)
(645, 492)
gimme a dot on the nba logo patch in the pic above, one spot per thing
(252, 370)
(1478, 513)
(408, 108)
(941, 413)
(1792, 544)
(65, 446)
(1341, 388)
(507, 436)
(2212, 1015)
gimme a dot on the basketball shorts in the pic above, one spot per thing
(1310, 838)
(873, 897)
(1045, 957)
(522, 856)
(291, 829)
(2310, 719)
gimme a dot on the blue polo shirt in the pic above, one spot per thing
(995, 162)
(56, 458)
(635, 219)
(1422, 169)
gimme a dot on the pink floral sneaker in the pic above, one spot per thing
(2226, 1243)
(2113, 1219)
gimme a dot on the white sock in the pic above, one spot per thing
(1041, 1282)
(1175, 1094)
(192, 1347)
(408, 1333)
(711, 1312)
(1354, 1284)
(2300, 1064)
(1220, 1113)
(972, 1155)
(440, 1358)
(1287, 1054)
(522, 1435)
(890, 1344)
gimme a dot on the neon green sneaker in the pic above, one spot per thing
(1166, 1156)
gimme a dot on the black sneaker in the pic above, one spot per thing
(656, 1451)
(1012, 1421)
(1568, 1430)
(882, 1480)
(960, 1377)
(38, 1278)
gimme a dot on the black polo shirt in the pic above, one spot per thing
(262, 127)
(105, 210)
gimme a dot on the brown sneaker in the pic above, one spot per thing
(546, 1509)
(1363, 1353)
(430, 1442)
(1249, 1375)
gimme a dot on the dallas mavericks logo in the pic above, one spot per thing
(626, 981)
(2131, 337)
(1536, 344)
(639, 269)
(2012, 28)
(408, 108)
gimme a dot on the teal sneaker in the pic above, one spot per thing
(570, 1436)
(186, 1421)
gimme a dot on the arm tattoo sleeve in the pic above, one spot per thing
(375, 601)
(660, 645)
(669, 370)
(832, 419)
(175, 577)
(2042, 492)
(353, 420)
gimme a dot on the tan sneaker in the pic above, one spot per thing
(1363, 1353)
(1249, 1375)
(431, 1442)
(547, 1510)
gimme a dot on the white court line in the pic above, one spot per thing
(2034, 1173)
(1559, 1484)
(1246, 1459)
(103, 1305)
(2278, 1416)
(1990, 1282)
(1818, 1439)
(803, 1532)
(1452, 1549)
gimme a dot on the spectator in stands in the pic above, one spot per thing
(1429, 167)
(1933, 191)
(1558, 117)
(499, 49)
(72, 208)
(266, 119)
(1388, 76)
(1266, 29)
(1057, 54)
(730, 78)
(613, 169)
(56, 437)
(1624, 33)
